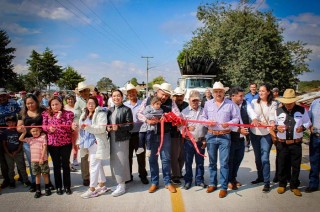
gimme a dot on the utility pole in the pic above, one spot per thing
(147, 57)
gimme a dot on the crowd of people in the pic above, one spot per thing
(91, 126)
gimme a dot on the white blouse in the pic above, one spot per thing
(267, 112)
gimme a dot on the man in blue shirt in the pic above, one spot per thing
(253, 94)
(221, 112)
(8, 107)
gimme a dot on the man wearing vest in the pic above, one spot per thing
(238, 135)
(177, 149)
(164, 92)
(291, 121)
(220, 112)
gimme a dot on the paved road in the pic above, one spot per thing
(247, 198)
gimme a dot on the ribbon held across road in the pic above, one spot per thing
(178, 121)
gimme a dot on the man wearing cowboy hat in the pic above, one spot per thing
(221, 112)
(291, 120)
(84, 92)
(134, 103)
(8, 107)
(164, 91)
(177, 149)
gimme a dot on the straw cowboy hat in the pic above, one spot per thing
(82, 86)
(219, 86)
(178, 92)
(129, 87)
(165, 87)
(289, 96)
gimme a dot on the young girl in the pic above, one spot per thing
(57, 123)
(147, 131)
(39, 157)
(93, 137)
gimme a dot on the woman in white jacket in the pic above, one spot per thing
(93, 140)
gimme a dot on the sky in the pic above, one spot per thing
(108, 38)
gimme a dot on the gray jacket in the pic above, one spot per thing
(151, 113)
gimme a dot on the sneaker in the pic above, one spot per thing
(72, 169)
(37, 194)
(47, 192)
(102, 190)
(148, 153)
(89, 194)
(139, 151)
(121, 189)
(266, 188)
(75, 162)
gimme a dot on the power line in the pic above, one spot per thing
(117, 35)
(92, 26)
(125, 20)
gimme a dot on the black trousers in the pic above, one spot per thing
(289, 160)
(60, 157)
(141, 158)
(4, 165)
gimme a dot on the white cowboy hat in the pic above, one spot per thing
(3, 91)
(83, 85)
(129, 87)
(219, 86)
(165, 87)
(289, 96)
(178, 92)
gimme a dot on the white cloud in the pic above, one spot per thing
(58, 13)
(20, 69)
(18, 29)
(93, 56)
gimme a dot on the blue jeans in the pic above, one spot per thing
(314, 153)
(26, 148)
(189, 154)
(165, 159)
(235, 158)
(221, 143)
(261, 146)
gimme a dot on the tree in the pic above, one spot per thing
(69, 79)
(158, 80)
(105, 84)
(134, 81)
(50, 71)
(246, 45)
(7, 75)
(34, 74)
(43, 68)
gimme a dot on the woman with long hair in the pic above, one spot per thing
(93, 138)
(96, 94)
(57, 123)
(265, 108)
(31, 115)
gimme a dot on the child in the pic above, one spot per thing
(39, 158)
(147, 131)
(13, 152)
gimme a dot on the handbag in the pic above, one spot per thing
(271, 131)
